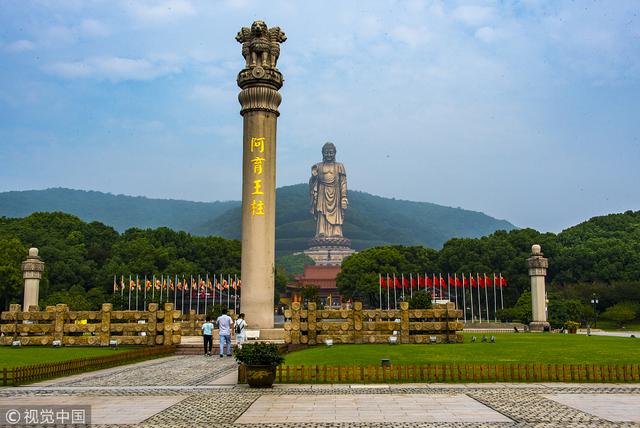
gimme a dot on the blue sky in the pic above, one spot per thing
(527, 111)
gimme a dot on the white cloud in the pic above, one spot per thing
(486, 34)
(412, 36)
(151, 12)
(20, 46)
(95, 28)
(474, 15)
(113, 68)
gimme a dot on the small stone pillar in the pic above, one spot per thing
(538, 271)
(32, 269)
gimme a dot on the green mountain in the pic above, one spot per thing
(370, 221)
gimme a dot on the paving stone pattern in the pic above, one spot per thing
(197, 403)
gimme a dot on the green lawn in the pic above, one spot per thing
(509, 348)
(26, 355)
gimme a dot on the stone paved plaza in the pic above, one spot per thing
(197, 391)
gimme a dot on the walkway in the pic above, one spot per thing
(197, 391)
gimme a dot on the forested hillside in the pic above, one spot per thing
(370, 220)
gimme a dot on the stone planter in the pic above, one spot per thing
(261, 376)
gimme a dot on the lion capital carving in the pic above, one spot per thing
(260, 44)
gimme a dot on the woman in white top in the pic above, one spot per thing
(240, 329)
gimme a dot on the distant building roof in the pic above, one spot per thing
(322, 276)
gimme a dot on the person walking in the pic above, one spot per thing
(207, 336)
(239, 326)
(224, 322)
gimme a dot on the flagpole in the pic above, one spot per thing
(501, 300)
(221, 288)
(129, 292)
(175, 293)
(464, 300)
(206, 293)
(455, 286)
(380, 289)
(410, 285)
(471, 294)
(190, 292)
(153, 287)
(479, 298)
(121, 290)
(235, 293)
(228, 285)
(486, 296)
(395, 296)
(213, 301)
(495, 300)
(137, 286)
(440, 284)
(388, 304)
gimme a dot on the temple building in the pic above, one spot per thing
(322, 276)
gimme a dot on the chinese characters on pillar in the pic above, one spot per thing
(257, 148)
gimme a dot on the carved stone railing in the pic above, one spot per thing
(93, 328)
(312, 326)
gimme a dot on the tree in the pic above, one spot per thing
(12, 252)
(310, 293)
(620, 313)
(420, 300)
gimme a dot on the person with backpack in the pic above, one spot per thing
(207, 336)
(239, 326)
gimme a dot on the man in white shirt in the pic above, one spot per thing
(224, 322)
(207, 336)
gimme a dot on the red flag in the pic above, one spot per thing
(457, 281)
(473, 282)
(451, 281)
(413, 282)
(487, 281)
(383, 282)
(442, 281)
(397, 282)
(420, 281)
(429, 282)
(465, 281)
(405, 281)
(480, 281)
(503, 282)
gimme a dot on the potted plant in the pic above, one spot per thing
(260, 360)
(572, 326)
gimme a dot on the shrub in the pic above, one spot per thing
(420, 300)
(259, 354)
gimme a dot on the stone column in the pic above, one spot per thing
(260, 81)
(537, 272)
(32, 269)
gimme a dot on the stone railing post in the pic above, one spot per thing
(105, 324)
(58, 322)
(295, 323)
(168, 324)
(193, 322)
(152, 326)
(404, 322)
(357, 322)
(311, 323)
